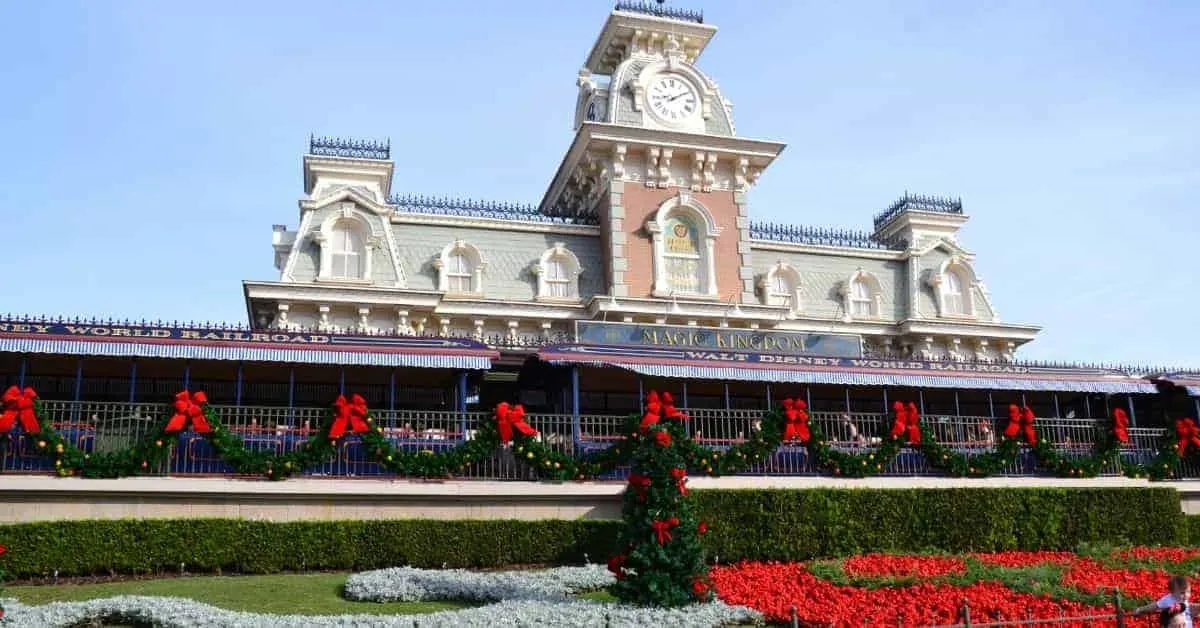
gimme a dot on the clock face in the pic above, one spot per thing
(672, 98)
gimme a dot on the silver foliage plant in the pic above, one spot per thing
(522, 598)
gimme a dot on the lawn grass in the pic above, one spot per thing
(305, 594)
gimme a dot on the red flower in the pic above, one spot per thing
(888, 566)
(1141, 554)
(702, 528)
(1025, 559)
(662, 439)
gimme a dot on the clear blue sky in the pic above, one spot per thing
(150, 146)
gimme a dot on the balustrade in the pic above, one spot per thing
(98, 427)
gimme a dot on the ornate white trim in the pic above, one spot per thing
(478, 264)
(790, 300)
(574, 269)
(873, 286)
(684, 204)
(298, 243)
(966, 276)
(360, 221)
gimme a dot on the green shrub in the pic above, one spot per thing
(753, 524)
(799, 525)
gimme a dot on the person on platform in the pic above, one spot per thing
(1174, 608)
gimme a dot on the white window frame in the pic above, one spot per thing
(560, 254)
(348, 218)
(472, 255)
(688, 208)
(790, 297)
(967, 281)
(874, 292)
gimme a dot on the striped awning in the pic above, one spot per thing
(1189, 381)
(672, 363)
(274, 346)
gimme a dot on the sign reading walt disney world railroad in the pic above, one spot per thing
(149, 333)
(785, 343)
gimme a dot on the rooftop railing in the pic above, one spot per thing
(919, 202)
(659, 9)
(112, 426)
(355, 149)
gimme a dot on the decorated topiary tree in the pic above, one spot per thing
(663, 561)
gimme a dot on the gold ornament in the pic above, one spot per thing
(529, 455)
(158, 443)
(41, 444)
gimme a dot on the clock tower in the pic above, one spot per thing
(656, 159)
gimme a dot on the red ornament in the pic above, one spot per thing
(796, 413)
(189, 410)
(678, 474)
(662, 439)
(350, 415)
(509, 418)
(3, 549)
(18, 406)
(700, 589)
(702, 528)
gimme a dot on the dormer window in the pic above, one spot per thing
(347, 254)
(347, 242)
(952, 284)
(861, 296)
(460, 269)
(781, 286)
(558, 274)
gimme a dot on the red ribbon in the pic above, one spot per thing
(639, 481)
(18, 406)
(1189, 435)
(509, 418)
(669, 410)
(654, 410)
(796, 428)
(616, 565)
(1027, 418)
(914, 424)
(662, 529)
(189, 411)
(350, 414)
(1121, 426)
(1014, 421)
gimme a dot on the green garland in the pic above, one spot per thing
(148, 454)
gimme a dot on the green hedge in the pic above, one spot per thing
(755, 524)
(798, 525)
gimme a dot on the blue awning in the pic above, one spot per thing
(731, 366)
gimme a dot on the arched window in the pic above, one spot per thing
(953, 294)
(781, 286)
(681, 256)
(347, 255)
(861, 296)
(861, 303)
(684, 234)
(460, 269)
(558, 274)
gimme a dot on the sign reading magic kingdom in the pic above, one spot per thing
(783, 343)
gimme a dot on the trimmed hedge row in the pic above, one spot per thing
(799, 525)
(755, 524)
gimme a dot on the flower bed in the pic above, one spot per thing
(890, 590)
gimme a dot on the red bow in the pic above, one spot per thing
(796, 412)
(680, 477)
(1027, 418)
(189, 411)
(1121, 426)
(1189, 434)
(509, 418)
(18, 405)
(907, 422)
(352, 414)
(669, 410)
(639, 481)
(662, 439)
(653, 411)
(1014, 421)
(662, 529)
